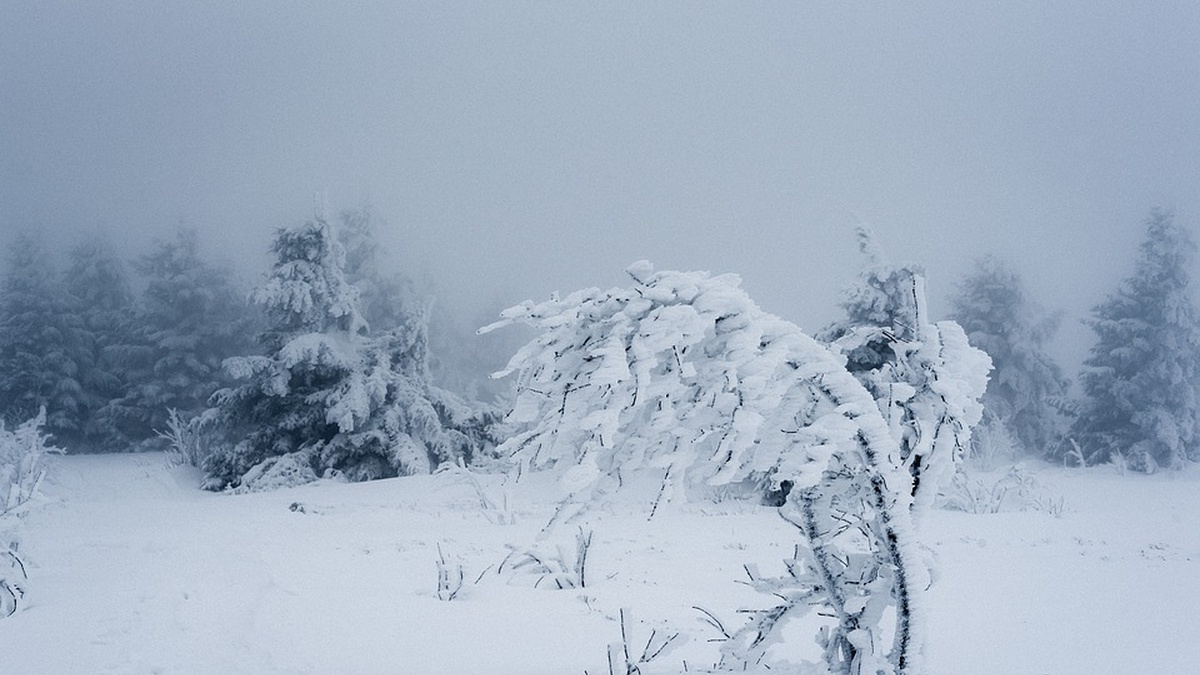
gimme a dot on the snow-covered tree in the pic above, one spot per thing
(1140, 381)
(387, 300)
(328, 394)
(190, 319)
(683, 375)
(40, 345)
(1027, 389)
(926, 377)
(101, 300)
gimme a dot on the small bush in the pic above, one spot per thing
(22, 468)
(1017, 490)
(190, 440)
(22, 463)
(557, 570)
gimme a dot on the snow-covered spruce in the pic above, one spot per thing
(41, 344)
(1141, 402)
(1027, 391)
(683, 374)
(190, 318)
(329, 395)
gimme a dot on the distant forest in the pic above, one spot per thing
(127, 355)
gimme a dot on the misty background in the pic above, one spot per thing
(515, 149)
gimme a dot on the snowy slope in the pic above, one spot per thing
(133, 570)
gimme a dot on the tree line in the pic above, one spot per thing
(1138, 402)
(112, 366)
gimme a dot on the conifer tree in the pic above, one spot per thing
(1140, 381)
(1027, 389)
(40, 345)
(191, 318)
(327, 393)
(386, 300)
(100, 299)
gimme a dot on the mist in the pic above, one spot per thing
(515, 149)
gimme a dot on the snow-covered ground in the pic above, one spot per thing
(134, 570)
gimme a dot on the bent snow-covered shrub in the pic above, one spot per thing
(683, 375)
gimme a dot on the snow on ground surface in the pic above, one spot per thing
(134, 570)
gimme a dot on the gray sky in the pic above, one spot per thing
(515, 149)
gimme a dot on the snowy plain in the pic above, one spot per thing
(133, 569)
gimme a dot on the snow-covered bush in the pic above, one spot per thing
(554, 569)
(327, 388)
(277, 473)
(629, 655)
(22, 463)
(496, 508)
(22, 467)
(993, 444)
(1017, 490)
(189, 441)
(682, 374)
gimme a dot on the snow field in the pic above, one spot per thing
(134, 570)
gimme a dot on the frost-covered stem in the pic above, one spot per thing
(805, 502)
(893, 521)
(903, 651)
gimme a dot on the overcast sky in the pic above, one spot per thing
(515, 149)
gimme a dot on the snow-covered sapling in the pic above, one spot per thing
(557, 569)
(22, 469)
(189, 441)
(22, 463)
(450, 575)
(496, 509)
(629, 655)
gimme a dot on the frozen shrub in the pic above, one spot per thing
(22, 468)
(684, 376)
(22, 463)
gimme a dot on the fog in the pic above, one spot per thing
(517, 149)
